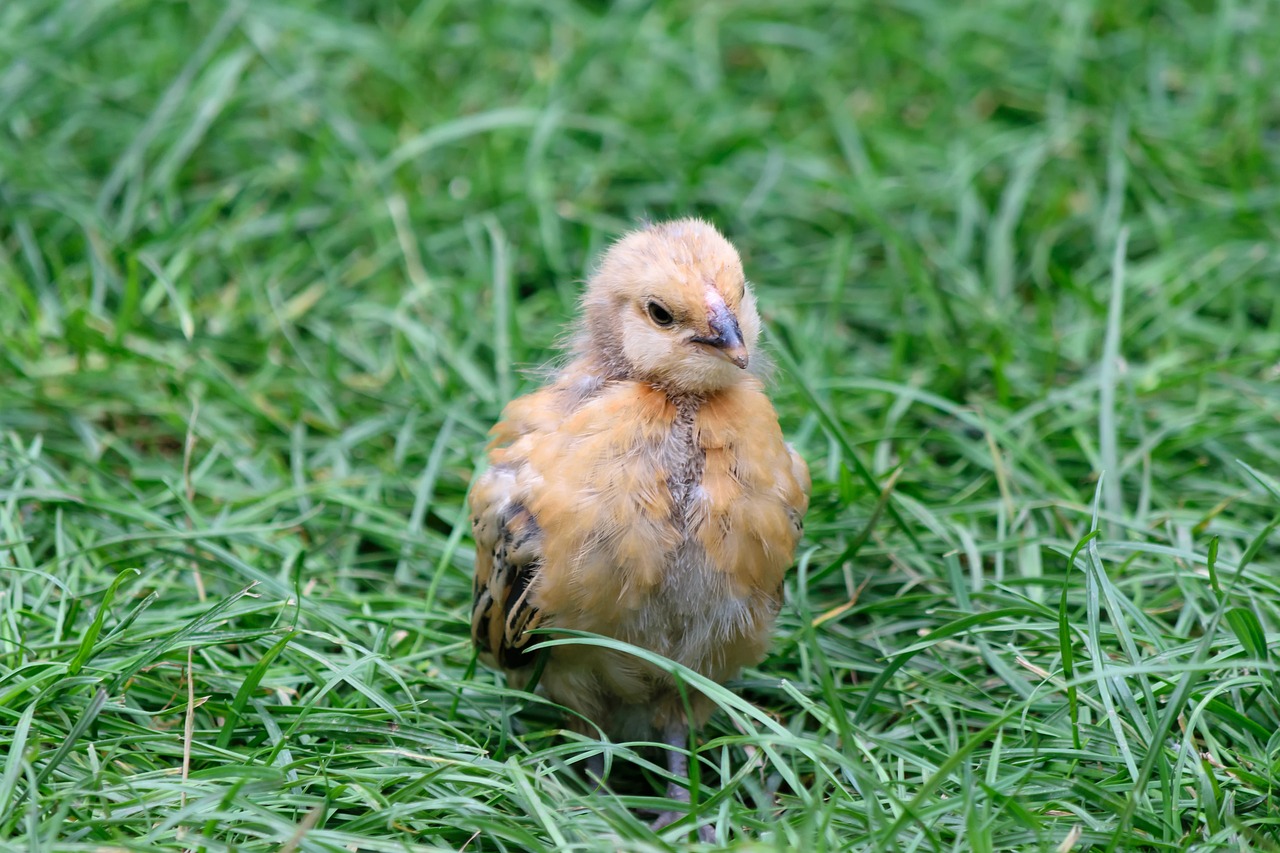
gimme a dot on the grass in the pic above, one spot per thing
(269, 271)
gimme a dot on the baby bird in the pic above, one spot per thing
(646, 494)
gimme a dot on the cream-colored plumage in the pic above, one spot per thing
(645, 494)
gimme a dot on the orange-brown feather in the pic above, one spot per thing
(752, 491)
(593, 479)
(646, 494)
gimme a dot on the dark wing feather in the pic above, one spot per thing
(508, 559)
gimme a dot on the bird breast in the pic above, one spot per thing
(668, 523)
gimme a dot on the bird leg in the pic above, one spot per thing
(677, 764)
(595, 769)
(675, 737)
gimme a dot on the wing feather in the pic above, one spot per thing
(508, 561)
(509, 542)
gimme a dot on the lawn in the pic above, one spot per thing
(270, 269)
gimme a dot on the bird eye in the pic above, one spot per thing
(660, 315)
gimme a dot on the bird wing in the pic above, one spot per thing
(509, 554)
(756, 490)
(573, 517)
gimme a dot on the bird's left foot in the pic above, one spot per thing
(678, 764)
(706, 832)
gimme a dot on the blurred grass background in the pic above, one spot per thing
(270, 269)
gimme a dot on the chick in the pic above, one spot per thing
(646, 493)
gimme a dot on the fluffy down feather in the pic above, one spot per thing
(645, 494)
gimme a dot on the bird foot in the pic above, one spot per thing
(706, 832)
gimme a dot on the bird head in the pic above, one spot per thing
(669, 305)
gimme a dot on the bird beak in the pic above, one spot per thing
(726, 337)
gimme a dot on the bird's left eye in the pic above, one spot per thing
(660, 315)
